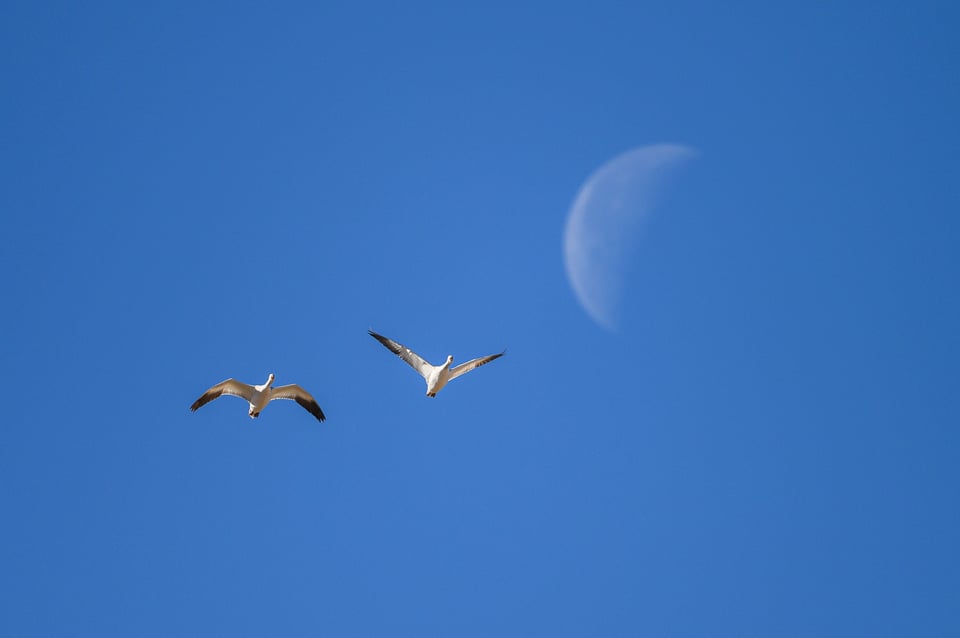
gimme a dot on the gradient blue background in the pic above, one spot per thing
(194, 192)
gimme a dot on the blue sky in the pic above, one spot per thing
(768, 446)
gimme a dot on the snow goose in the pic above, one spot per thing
(258, 396)
(435, 376)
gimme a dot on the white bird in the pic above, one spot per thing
(435, 376)
(258, 396)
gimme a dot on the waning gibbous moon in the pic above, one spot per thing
(604, 223)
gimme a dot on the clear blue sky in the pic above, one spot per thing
(768, 447)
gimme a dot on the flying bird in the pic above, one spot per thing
(258, 396)
(435, 376)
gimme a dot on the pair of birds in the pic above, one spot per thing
(258, 396)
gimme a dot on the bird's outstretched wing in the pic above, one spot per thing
(301, 396)
(464, 368)
(412, 358)
(230, 386)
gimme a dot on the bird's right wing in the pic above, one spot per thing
(414, 360)
(230, 386)
(301, 396)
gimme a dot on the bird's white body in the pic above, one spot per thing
(438, 376)
(260, 398)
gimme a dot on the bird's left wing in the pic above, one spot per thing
(301, 396)
(464, 368)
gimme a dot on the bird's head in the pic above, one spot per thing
(269, 378)
(449, 359)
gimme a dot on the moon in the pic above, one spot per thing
(604, 223)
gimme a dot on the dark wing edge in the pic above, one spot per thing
(312, 407)
(206, 398)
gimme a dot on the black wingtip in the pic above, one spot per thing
(379, 337)
(313, 408)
